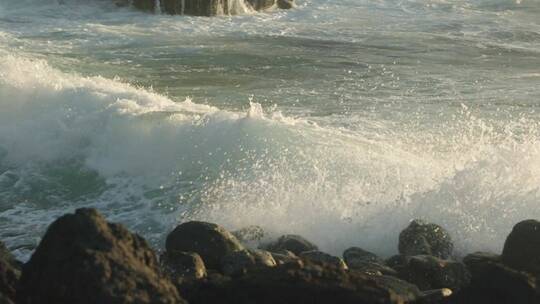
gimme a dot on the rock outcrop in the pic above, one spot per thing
(9, 274)
(291, 242)
(361, 260)
(302, 283)
(241, 262)
(320, 257)
(210, 241)
(84, 259)
(495, 283)
(208, 7)
(421, 238)
(183, 265)
(522, 247)
(429, 272)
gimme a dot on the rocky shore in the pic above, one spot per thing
(204, 7)
(82, 258)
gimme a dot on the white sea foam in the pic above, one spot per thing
(163, 162)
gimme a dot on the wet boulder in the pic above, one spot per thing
(285, 4)
(84, 259)
(285, 257)
(303, 283)
(5, 300)
(249, 235)
(145, 5)
(183, 265)
(208, 7)
(212, 242)
(429, 272)
(421, 238)
(9, 273)
(522, 247)
(320, 257)
(361, 260)
(291, 242)
(260, 5)
(240, 262)
(493, 282)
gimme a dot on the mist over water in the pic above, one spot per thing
(338, 120)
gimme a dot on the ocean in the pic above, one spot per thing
(339, 120)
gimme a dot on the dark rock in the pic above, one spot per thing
(195, 7)
(495, 283)
(285, 4)
(84, 259)
(183, 265)
(145, 5)
(210, 241)
(9, 273)
(305, 283)
(324, 258)
(249, 234)
(522, 247)
(205, 7)
(293, 243)
(240, 262)
(285, 257)
(360, 260)
(260, 5)
(428, 272)
(4, 299)
(355, 254)
(421, 238)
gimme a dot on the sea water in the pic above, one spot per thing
(339, 120)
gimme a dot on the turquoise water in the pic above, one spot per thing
(337, 120)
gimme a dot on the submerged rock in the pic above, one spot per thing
(302, 283)
(209, 7)
(145, 5)
(421, 238)
(183, 265)
(522, 247)
(9, 274)
(84, 259)
(322, 257)
(429, 272)
(210, 241)
(241, 262)
(291, 242)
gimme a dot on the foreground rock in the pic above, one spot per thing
(291, 242)
(421, 238)
(495, 283)
(84, 259)
(9, 274)
(183, 265)
(320, 257)
(361, 260)
(301, 283)
(522, 247)
(250, 236)
(210, 241)
(241, 262)
(428, 272)
(208, 7)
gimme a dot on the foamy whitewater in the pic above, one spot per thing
(339, 120)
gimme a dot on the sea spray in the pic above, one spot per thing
(356, 125)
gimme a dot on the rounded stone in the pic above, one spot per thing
(212, 242)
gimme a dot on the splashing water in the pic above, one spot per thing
(339, 121)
